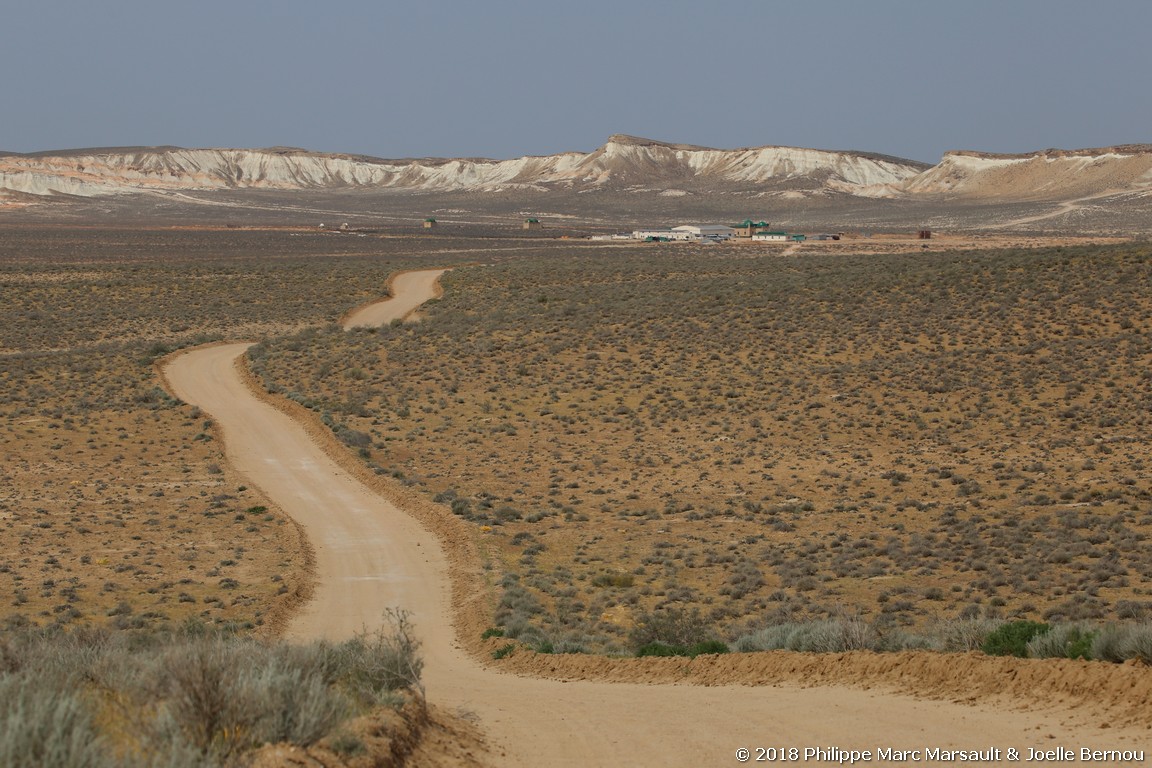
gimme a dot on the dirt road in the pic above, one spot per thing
(409, 291)
(372, 556)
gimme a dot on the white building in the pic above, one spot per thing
(686, 232)
(770, 237)
(711, 231)
(662, 234)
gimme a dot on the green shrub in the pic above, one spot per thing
(656, 648)
(504, 650)
(1012, 639)
(707, 647)
(696, 649)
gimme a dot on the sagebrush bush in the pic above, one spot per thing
(190, 697)
(1108, 643)
(46, 727)
(1062, 641)
(670, 626)
(827, 636)
(965, 634)
(1138, 643)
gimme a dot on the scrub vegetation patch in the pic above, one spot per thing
(896, 439)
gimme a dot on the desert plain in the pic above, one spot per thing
(595, 437)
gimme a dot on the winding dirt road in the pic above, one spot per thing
(371, 556)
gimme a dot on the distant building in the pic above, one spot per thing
(770, 237)
(924, 234)
(661, 235)
(706, 231)
(747, 228)
(532, 224)
(685, 232)
(429, 223)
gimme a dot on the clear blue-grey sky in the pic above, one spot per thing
(502, 78)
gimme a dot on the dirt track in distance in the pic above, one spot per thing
(371, 555)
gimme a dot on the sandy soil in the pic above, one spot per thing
(371, 555)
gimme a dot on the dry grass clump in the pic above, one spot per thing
(900, 437)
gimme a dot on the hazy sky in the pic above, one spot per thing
(500, 78)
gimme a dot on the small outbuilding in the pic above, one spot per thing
(770, 237)
(532, 224)
(429, 223)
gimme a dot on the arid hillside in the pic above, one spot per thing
(628, 181)
(1048, 175)
(622, 162)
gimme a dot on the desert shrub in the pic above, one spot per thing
(670, 626)
(828, 636)
(43, 727)
(772, 638)
(835, 635)
(898, 640)
(203, 701)
(613, 579)
(1062, 641)
(1133, 609)
(657, 648)
(294, 706)
(566, 645)
(965, 634)
(707, 647)
(1108, 643)
(224, 696)
(352, 437)
(1138, 643)
(187, 697)
(382, 663)
(1012, 639)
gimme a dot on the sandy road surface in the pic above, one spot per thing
(372, 556)
(409, 291)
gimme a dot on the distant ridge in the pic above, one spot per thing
(625, 163)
